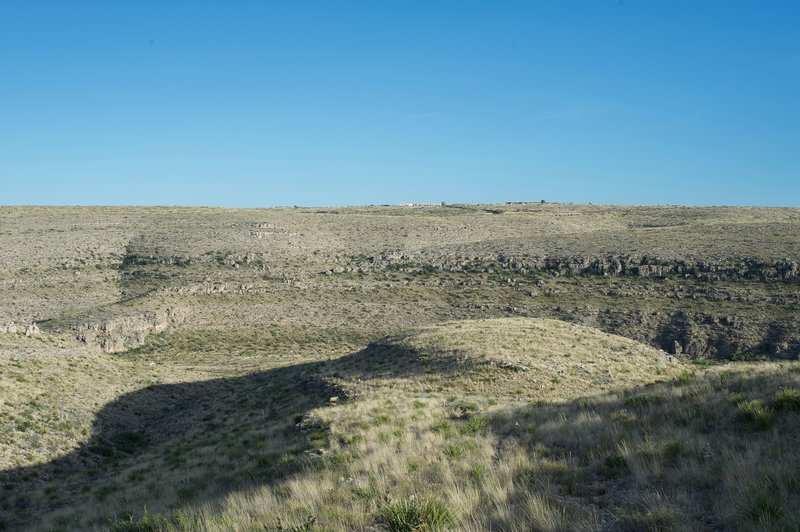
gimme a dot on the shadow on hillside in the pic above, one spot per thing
(177, 446)
(601, 455)
(191, 443)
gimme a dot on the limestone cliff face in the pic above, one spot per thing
(28, 329)
(695, 334)
(622, 265)
(125, 332)
(710, 330)
(743, 268)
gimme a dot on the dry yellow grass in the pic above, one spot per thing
(667, 456)
(531, 358)
(454, 414)
(52, 390)
(509, 423)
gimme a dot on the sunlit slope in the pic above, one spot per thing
(506, 424)
(528, 357)
(52, 391)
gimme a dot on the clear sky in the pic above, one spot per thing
(338, 103)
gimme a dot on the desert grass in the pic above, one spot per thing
(663, 456)
(52, 390)
(415, 439)
(227, 423)
(533, 358)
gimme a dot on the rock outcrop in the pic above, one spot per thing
(29, 329)
(694, 334)
(622, 265)
(125, 332)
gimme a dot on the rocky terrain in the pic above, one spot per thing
(186, 338)
(719, 282)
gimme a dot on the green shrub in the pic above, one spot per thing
(414, 515)
(763, 508)
(747, 357)
(464, 408)
(440, 426)
(443, 428)
(786, 399)
(474, 425)
(347, 439)
(756, 414)
(476, 473)
(454, 451)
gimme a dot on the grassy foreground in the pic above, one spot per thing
(504, 424)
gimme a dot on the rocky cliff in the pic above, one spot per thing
(620, 265)
(125, 332)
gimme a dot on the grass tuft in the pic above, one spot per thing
(786, 399)
(414, 515)
(143, 523)
(474, 425)
(762, 509)
(756, 414)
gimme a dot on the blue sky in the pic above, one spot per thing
(340, 103)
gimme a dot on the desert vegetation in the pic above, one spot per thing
(472, 367)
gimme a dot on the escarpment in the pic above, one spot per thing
(699, 282)
(745, 268)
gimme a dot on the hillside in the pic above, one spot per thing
(526, 358)
(516, 367)
(708, 281)
(507, 423)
